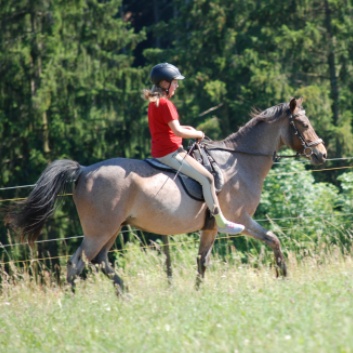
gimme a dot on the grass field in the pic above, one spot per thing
(238, 309)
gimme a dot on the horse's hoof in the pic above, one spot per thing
(198, 283)
(281, 271)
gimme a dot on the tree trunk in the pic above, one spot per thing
(332, 67)
(35, 81)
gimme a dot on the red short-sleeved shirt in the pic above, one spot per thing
(164, 141)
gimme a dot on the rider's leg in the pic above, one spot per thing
(187, 165)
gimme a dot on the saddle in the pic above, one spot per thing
(191, 186)
(200, 152)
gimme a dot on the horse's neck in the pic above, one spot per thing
(254, 149)
(261, 139)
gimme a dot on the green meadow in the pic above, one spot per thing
(239, 308)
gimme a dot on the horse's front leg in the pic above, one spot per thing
(207, 239)
(269, 238)
(272, 241)
(168, 260)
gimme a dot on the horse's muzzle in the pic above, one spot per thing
(317, 157)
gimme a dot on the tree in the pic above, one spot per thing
(238, 55)
(67, 83)
(68, 88)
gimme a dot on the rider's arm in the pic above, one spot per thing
(185, 131)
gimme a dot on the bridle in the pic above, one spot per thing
(307, 146)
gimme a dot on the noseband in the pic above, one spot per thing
(307, 146)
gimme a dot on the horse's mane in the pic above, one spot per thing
(268, 115)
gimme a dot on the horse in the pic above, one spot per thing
(123, 191)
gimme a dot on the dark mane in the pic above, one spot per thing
(268, 115)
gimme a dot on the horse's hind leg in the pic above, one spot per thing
(207, 239)
(102, 260)
(75, 266)
(89, 249)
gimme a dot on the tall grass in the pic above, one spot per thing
(240, 308)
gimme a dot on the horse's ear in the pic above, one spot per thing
(295, 103)
(292, 104)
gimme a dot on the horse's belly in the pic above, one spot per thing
(169, 217)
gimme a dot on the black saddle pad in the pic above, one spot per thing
(191, 186)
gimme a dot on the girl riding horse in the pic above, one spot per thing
(167, 139)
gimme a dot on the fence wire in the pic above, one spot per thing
(174, 243)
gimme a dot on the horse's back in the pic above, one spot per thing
(109, 178)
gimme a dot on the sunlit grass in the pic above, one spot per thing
(238, 309)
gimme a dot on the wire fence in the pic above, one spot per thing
(175, 243)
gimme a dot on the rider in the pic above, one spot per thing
(167, 135)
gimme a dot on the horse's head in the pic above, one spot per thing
(301, 135)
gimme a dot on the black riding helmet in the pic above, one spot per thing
(166, 72)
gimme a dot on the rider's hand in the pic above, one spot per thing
(202, 136)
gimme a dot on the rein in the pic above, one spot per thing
(307, 146)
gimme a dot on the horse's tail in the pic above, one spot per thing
(29, 216)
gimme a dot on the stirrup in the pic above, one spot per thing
(231, 228)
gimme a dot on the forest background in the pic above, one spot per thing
(72, 73)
